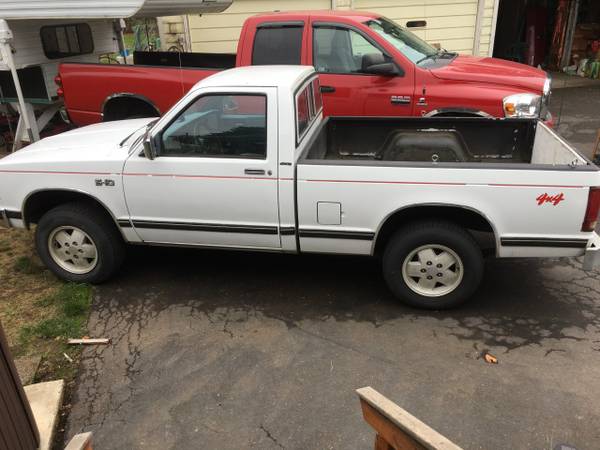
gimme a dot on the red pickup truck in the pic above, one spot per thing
(367, 64)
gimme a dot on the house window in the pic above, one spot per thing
(60, 41)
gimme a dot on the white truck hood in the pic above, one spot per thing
(99, 142)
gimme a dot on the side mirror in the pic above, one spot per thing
(149, 150)
(378, 64)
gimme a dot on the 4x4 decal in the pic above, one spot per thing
(554, 199)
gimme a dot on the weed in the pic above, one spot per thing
(25, 265)
(5, 246)
(72, 303)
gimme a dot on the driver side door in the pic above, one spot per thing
(214, 180)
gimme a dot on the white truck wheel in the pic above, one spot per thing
(79, 243)
(432, 265)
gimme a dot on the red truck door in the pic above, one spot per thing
(336, 53)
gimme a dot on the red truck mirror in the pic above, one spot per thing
(378, 64)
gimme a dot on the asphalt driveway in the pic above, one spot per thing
(225, 350)
(232, 351)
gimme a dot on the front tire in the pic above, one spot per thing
(433, 265)
(79, 243)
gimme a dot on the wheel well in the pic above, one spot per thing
(467, 218)
(457, 114)
(119, 108)
(41, 202)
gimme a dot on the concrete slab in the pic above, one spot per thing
(562, 80)
(27, 367)
(45, 400)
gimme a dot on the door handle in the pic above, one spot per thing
(326, 89)
(254, 171)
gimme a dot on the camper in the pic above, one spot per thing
(35, 37)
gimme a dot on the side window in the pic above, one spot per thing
(59, 41)
(277, 45)
(302, 112)
(317, 95)
(340, 50)
(219, 126)
(308, 106)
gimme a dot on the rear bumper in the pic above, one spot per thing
(592, 253)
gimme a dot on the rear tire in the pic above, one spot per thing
(79, 243)
(433, 265)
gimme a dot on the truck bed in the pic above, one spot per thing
(440, 140)
(185, 59)
(518, 174)
(160, 86)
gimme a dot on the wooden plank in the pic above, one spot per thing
(90, 341)
(397, 426)
(382, 444)
(81, 441)
(387, 431)
(18, 430)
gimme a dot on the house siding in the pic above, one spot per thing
(449, 23)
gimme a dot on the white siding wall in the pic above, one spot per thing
(171, 30)
(219, 33)
(451, 23)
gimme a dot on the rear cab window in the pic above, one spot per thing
(278, 43)
(308, 105)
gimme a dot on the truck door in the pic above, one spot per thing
(214, 180)
(337, 55)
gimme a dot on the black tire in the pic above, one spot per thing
(446, 234)
(97, 225)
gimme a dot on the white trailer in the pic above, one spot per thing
(35, 37)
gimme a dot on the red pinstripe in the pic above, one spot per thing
(432, 183)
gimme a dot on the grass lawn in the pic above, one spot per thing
(39, 312)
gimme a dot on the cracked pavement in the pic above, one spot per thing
(226, 350)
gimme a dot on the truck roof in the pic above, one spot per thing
(356, 16)
(286, 77)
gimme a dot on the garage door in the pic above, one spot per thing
(448, 23)
(219, 33)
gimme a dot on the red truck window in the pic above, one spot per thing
(277, 45)
(340, 50)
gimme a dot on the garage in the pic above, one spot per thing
(554, 34)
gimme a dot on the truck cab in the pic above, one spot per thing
(370, 66)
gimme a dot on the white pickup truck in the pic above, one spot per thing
(246, 161)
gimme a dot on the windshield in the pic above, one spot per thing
(411, 46)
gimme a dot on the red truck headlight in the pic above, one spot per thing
(593, 208)
(522, 105)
